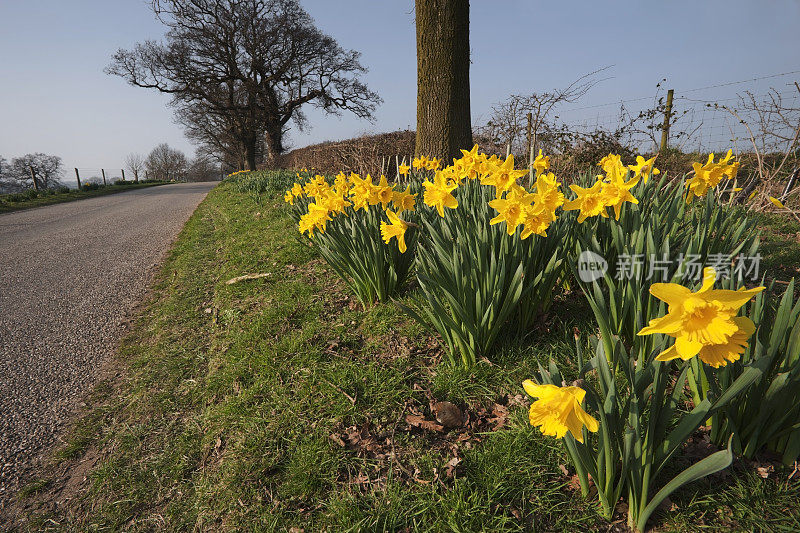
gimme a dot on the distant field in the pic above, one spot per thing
(28, 199)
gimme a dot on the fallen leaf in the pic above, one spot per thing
(421, 422)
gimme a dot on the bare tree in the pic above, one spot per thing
(46, 170)
(215, 134)
(203, 168)
(508, 121)
(255, 62)
(773, 128)
(136, 163)
(166, 163)
(7, 183)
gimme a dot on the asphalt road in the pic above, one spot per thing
(70, 274)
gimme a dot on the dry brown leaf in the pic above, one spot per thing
(422, 423)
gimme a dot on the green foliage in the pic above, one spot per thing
(477, 280)
(642, 425)
(263, 184)
(768, 414)
(352, 245)
(664, 231)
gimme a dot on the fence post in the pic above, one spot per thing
(667, 117)
(103, 171)
(78, 177)
(123, 174)
(530, 134)
(33, 177)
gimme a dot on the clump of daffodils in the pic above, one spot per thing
(612, 189)
(327, 201)
(232, 174)
(707, 176)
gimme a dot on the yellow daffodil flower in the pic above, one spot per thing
(589, 200)
(644, 168)
(704, 323)
(404, 200)
(438, 194)
(403, 170)
(558, 410)
(503, 176)
(316, 218)
(510, 210)
(541, 163)
(616, 191)
(396, 228)
(383, 192)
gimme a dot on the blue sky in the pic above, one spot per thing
(55, 98)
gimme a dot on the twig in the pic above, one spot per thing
(246, 277)
(352, 400)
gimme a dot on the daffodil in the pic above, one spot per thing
(361, 191)
(541, 163)
(297, 190)
(704, 323)
(438, 193)
(708, 176)
(396, 228)
(420, 162)
(503, 176)
(558, 410)
(403, 200)
(589, 201)
(510, 210)
(383, 193)
(644, 168)
(316, 218)
(403, 170)
(289, 197)
(536, 219)
(548, 192)
(616, 191)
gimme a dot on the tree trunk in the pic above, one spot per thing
(443, 108)
(274, 138)
(250, 153)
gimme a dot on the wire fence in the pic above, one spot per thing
(706, 119)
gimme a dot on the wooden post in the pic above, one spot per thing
(78, 177)
(103, 171)
(667, 116)
(33, 177)
(530, 135)
(123, 174)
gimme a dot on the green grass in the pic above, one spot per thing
(780, 246)
(58, 197)
(236, 398)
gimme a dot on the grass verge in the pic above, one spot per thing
(280, 404)
(52, 197)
